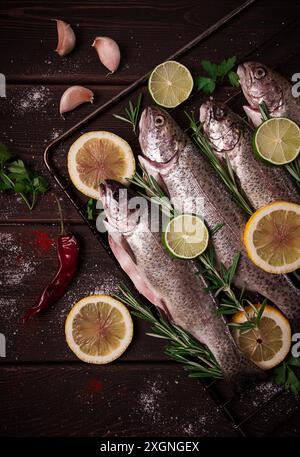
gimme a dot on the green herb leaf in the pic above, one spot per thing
(5, 155)
(292, 382)
(285, 376)
(91, 209)
(225, 66)
(211, 68)
(17, 177)
(294, 361)
(131, 113)
(280, 374)
(207, 85)
(182, 347)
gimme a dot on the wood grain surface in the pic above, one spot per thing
(44, 389)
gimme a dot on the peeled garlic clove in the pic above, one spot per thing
(66, 38)
(73, 97)
(108, 52)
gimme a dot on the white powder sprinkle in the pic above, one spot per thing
(149, 401)
(34, 99)
(55, 133)
(15, 264)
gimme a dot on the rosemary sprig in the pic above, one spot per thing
(131, 113)
(219, 279)
(152, 191)
(224, 171)
(182, 347)
(220, 284)
(292, 168)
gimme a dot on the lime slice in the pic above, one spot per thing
(272, 237)
(277, 140)
(170, 84)
(186, 236)
(98, 329)
(96, 156)
(269, 342)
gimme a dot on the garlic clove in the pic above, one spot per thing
(108, 52)
(73, 97)
(66, 38)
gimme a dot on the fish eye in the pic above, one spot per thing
(219, 112)
(259, 73)
(159, 121)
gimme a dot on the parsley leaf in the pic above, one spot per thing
(234, 79)
(217, 73)
(211, 68)
(207, 85)
(5, 155)
(285, 376)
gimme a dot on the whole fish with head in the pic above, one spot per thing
(259, 83)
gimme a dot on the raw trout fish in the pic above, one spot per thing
(173, 159)
(169, 284)
(260, 83)
(229, 135)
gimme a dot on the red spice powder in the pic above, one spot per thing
(42, 240)
(94, 385)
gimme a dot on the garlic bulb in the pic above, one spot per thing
(66, 38)
(108, 52)
(73, 97)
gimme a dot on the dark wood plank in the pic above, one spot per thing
(141, 29)
(113, 400)
(29, 120)
(26, 268)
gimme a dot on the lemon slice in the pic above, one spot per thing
(272, 237)
(96, 156)
(170, 84)
(268, 344)
(98, 329)
(186, 236)
(277, 140)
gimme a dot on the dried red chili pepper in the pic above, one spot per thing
(67, 252)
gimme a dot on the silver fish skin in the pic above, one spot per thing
(229, 135)
(170, 156)
(260, 83)
(169, 284)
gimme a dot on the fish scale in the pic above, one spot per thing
(176, 162)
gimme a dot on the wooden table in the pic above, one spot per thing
(44, 389)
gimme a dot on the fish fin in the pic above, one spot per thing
(253, 116)
(126, 258)
(152, 171)
(159, 167)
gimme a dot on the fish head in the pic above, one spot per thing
(221, 126)
(120, 214)
(259, 83)
(160, 137)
